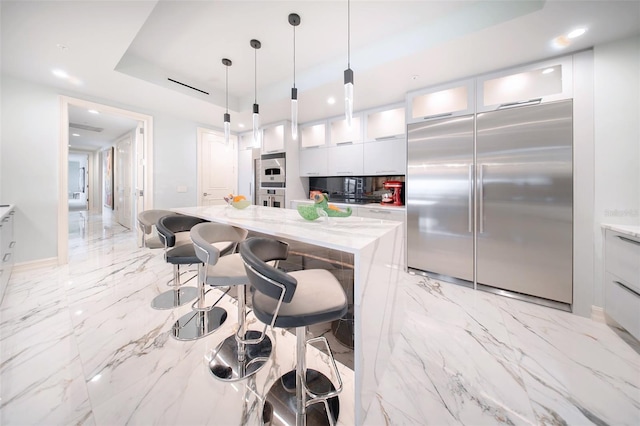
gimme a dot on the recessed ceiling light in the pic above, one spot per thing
(60, 73)
(93, 111)
(331, 100)
(241, 125)
(75, 134)
(577, 32)
(548, 70)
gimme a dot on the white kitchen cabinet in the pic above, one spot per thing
(341, 133)
(245, 141)
(385, 157)
(385, 123)
(445, 100)
(345, 160)
(535, 83)
(313, 162)
(273, 137)
(622, 279)
(395, 213)
(313, 134)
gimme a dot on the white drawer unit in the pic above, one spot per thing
(622, 279)
(382, 213)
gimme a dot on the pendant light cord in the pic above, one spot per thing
(348, 33)
(255, 78)
(294, 56)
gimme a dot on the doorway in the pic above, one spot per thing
(140, 159)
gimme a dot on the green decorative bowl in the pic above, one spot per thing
(308, 212)
(242, 204)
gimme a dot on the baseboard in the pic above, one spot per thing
(597, 314)
(36, 264)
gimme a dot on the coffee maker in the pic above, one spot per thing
(396, 188)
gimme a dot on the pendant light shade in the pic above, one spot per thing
(256, 108)
(348, 73)
(227, 117)
(294, 20)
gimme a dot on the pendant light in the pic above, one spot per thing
(348, 73)
(227, 117)
(294, 20)
(256, 109)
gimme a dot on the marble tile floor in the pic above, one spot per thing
(79, 344)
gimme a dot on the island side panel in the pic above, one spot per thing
(378, 314)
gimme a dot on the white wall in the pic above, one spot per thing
(29, 168)
(617, 142)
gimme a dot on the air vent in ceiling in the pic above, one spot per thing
(85, 127)
(186, 85)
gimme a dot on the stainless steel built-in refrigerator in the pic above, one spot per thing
(490, 199)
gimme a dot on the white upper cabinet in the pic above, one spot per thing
(345, 160)
(341, 133)
(385, 157)
(446, 100)
(385, 123)
(541, 82)
(273, 137)
(313, 134)
(245, 141)
(313, 162)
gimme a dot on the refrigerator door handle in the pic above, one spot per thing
(481, 197)
(470, 198)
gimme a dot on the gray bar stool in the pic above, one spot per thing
(147, 221)
(169, 227)
(246, 351)
(296, 299)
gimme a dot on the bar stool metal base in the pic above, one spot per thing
(197, 324)
(280, 403)
(174, 298)
(225, 365)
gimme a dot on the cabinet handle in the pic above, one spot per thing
(344, 143)
(386, 138)
(345, 173)
(521, 103)
(6, 257)
(629, 240)
(627, 288)
(6, 219)
(431, 117)
(12, 245)
(380, 211)
(313, 173)
(386, 171)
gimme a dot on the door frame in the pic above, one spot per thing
(63, 173)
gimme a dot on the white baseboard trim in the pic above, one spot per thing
(41, 263)
(597, 314)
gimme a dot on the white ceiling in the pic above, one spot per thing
(89, 131)
(124, 51)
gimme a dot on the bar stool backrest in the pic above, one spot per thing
(204, 235)
(256, 252)
(168, 226)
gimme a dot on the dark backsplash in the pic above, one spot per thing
(352, 189)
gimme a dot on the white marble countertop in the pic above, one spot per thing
(5, 209)
(368, 205)
(632, 230)
(349, 234)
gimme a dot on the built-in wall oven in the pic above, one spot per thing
(272, 180)
(271, 197)
(272, 171)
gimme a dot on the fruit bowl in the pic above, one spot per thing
(242, 204)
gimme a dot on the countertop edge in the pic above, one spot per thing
(631, 230)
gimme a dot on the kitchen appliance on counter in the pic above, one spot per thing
(490, 201)
(273, 170)
(271, 197)
(396, 198)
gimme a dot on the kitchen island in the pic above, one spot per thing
(378, 253)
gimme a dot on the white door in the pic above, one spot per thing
(139, 169)
(217, 170)
(123, 184)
